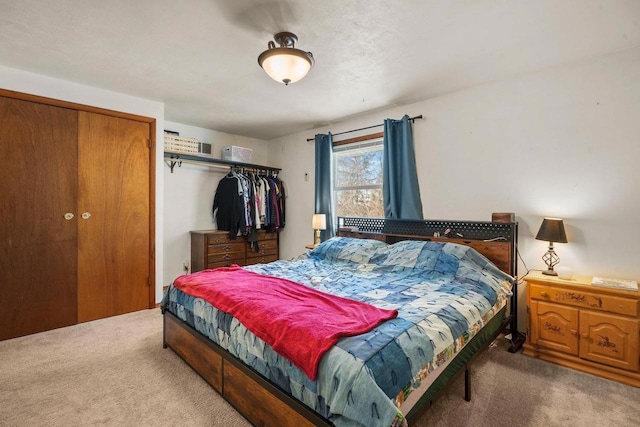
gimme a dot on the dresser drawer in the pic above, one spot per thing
(223, 237)
(265, 247)
(225, 257)
(237, 246)
(263, 235)
(580, 298)
(262, 259)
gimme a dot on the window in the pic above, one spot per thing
(357, 180)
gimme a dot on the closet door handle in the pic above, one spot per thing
(69, 216)
(86, 215)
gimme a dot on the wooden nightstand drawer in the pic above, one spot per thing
(581, 298)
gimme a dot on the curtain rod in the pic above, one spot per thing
(368, 127)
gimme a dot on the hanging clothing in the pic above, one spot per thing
(247, 202)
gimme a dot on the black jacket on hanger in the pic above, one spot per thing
(229, 204)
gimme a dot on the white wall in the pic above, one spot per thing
(189, 191)
(36, 84)
(559, 142)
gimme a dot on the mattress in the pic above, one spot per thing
(444, 293)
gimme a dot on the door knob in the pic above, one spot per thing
(68, 216)
(86, 215)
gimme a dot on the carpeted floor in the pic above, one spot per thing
(114, 372)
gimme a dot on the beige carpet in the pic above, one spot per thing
(114, 372)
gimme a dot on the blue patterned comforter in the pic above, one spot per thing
(444, 293)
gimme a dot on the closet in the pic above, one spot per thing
(76, 214)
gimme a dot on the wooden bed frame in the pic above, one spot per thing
(263, 403)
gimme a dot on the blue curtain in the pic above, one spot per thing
(400, 190)
(324, 175)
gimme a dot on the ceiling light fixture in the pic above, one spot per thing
(285, 64)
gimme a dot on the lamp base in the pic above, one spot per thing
(551, 259)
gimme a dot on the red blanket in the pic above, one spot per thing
(298, 322)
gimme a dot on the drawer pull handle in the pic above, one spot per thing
(544, 294)
(86, 215)
(227, 256)
(227, 248)
(574, 332)
(68, 216)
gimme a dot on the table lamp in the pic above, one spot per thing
(319, 222)
(551, 230)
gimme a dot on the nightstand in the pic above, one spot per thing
(589, 328)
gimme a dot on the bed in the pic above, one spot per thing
(450, 302)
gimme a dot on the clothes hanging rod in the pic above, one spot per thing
(171, 159)
(368, 127)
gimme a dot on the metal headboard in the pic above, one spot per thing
(476, 230)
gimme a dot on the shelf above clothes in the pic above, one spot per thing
(172, 159)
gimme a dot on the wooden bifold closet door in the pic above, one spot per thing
(74, 216)
(113, 216)
(39, 183)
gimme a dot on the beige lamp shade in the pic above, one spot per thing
(319, 222)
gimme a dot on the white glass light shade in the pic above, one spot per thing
(319, 222)
(285, 65)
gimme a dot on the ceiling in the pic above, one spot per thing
(199, 57)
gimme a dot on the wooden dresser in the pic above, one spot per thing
(213, 249)
(589, 328)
